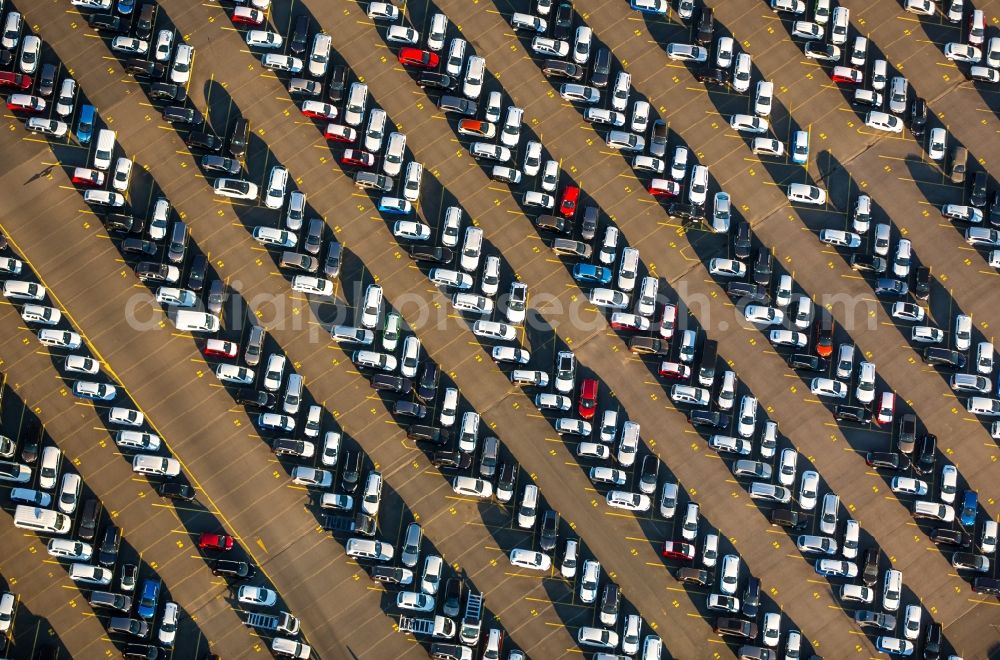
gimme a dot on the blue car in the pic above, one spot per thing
(394, 206)
(591, 274)
(85, 127)
(970, 503)
(126, 7)
(148, 599)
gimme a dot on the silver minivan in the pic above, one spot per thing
(293, 394)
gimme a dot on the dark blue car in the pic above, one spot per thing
(591, 274)
(150, 595)
(126, 7)
(970, 504)
(85, 127)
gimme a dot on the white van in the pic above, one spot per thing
(38, 519)
(158, 465)
(762, 101)
(137, 440)
(234, 373)
(105, 149)
(193, 321)
(629, 269)
(528, 511)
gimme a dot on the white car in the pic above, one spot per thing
(411, 230)
(164, 45)
(865, 391)
(883, 121)
(808, 490)
(957, 52)
(908, 486)
(807, 30)
(963, 332)
(763, 315)
(581, 44)
(264, 39)
(920, 7)
(532, 158)
(727, 267)
(788, 338)
(382, 11)
(828, 387)
(122, 174)
(730, 574)
(278, 62)
(747, 420)
(550, 47)
(686, 52)
(937, 143)
(741, 73)
(806, 194)
(523, 558)
(906, 311)
(725, 50)
(589, 581)
(668, 500)
(749, 124)
(180, 70)
(840, 238)
(620, 499)
(260, 596)
(949, 483)
(168, 624)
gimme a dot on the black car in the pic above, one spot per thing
(203, 141)
(980, 190)
(885, 459)
(745, 292)
(611, 600)
(431, 434)
(199, 269)
(181, 115)
(994, 214)
(554, 223)
(560, 69)
(175, 491)
(428, 384)
(922, 282)
(870, 263)
(47, 79)
(453, 460)
(433, 80)
(852, 414)
(762, 267)
(942, 357)
(741, 242)
(162, 91)
(30, 439)
(87, 529)
(239, 137)
(706, 26)
(888, 287)
(687, 213)
(300, 35)
(601, 72)
(338, 83)
(255, 399)
(788, 518)
(695, 576)
(139, 246)
(108, 552)
(869, 573)
(351, 475)
(550, 529)
(141, 67)
(588, 226)
(118, 222)
(409, 409)
(751, 598)
(233, 570)
(390, 383)
(907, 440)
(648, 473)
(648, 346)
(453, 588)
(461, 106)
(388, 574)
(927, 456)
(734, 626)
(918, 117)
(108, 22)
(147, 16)
(932, 642)
(562, 26)
(711, 75)
(6, 59)
(712, 419)
(807, 362)
(440, 255)
(291, 447)
(142, 652)
(943, 536)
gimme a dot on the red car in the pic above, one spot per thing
(421, 59)
(221, 348)
(588, 398)
(675, 370)
(678, 550)
(568, 205)
(846, 74)
(16, 80)
(209, 541)
(626, 321)
(358, 158)
(248, 15)
(83, 176)
(340, 133)
(25, 102)
(664, 188)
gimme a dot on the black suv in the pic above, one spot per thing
(884, 459)
(108, 553)
(852, 414)
(390, 383)
(807, 362)
(942, 357)
(927, 457)
(741, 242)
(433, 80)
(706, 26)
(563, 23)
(427, 386)
(107, 22)
(238, 140)
(907, 433)
(440, 255)
(47, 79)
(289, 447)
(944, 536)
(712, 419)
(351, 475)
(550, 529)
(203, 141)
(338, 83)
(751, 598)
(787, 518)
(870, 263)
(711, 75)
(175, 491)
(145, 68)
(922, 282)
(696, 576)
(869, 574)
(300, 35)
(918, 117)
(602, 68)
(162, 91)
(980, 190)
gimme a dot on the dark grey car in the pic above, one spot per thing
(220, 164)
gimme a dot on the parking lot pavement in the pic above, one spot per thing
(267, 520)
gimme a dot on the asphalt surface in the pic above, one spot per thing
(163, 372)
